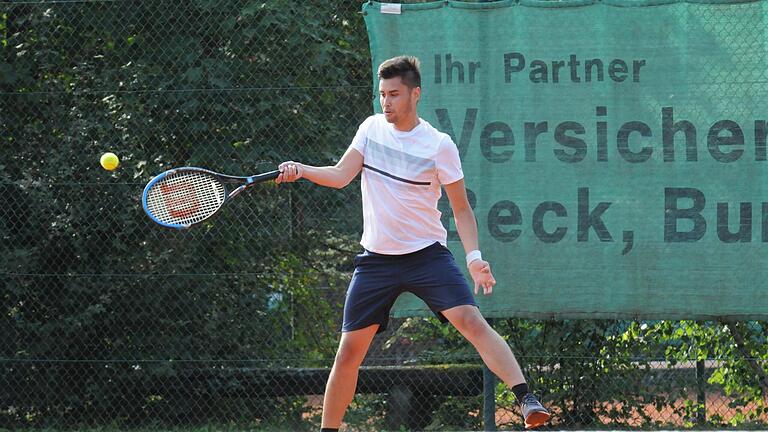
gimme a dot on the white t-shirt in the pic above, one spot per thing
(401, 178)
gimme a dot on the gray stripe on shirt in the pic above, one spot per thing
(396, 161)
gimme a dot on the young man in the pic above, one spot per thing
(404, 163)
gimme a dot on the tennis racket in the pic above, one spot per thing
(184, 197)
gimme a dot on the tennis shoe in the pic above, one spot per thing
(533, 412)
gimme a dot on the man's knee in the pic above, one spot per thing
(353, 347)
(470, 323)
(349, 357)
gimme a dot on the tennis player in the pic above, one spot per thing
(405, 162)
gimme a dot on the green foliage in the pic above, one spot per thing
(457, 413)
(640, 365)
(594, 374)
(366, 413)
(738, 353)
(107, 317)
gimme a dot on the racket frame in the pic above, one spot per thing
(226, 180)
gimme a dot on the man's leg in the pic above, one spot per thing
(342, 381)
(492, 348)
(497, 356)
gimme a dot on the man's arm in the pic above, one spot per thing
(336, 176)
(466, 225)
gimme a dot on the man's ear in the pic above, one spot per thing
(417, 93)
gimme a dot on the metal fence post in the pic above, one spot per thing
(489, 396)
(701, 396)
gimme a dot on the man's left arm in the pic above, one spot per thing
(466, 225)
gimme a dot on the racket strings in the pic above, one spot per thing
(185, 198)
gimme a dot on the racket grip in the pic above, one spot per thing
(271, 175)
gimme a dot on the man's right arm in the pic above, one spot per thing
(336, 176)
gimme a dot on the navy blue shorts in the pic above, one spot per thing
(430, 273)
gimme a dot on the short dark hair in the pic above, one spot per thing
(405, 67)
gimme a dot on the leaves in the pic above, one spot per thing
(210, 83)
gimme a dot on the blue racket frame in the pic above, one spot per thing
(244, 182)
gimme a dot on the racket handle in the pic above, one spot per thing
(263, 177)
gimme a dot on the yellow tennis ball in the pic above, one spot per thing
(109, 161)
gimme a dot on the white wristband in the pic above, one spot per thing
(473, 256)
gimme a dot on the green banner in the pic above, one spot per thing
(614, 153)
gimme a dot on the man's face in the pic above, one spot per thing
(398, 102)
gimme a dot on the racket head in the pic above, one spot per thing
(183, 197)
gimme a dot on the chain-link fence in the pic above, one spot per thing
(110, 322)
